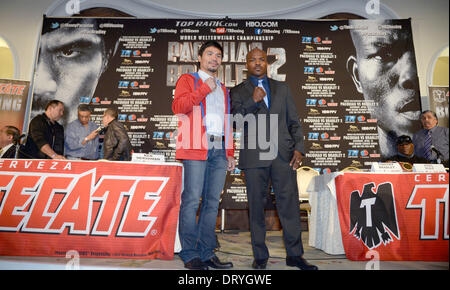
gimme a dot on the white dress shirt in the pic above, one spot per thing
(215, 108)
(4, 149)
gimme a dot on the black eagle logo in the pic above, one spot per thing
(372, 215)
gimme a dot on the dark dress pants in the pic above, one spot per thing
(284, 184)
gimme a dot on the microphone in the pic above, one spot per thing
(438, 153)
(17, 144)
(17, 141)
(99, 129)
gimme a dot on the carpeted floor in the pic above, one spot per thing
(235, 247)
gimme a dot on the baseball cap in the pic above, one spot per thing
(404, 139)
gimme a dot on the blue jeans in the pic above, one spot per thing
(202, 180)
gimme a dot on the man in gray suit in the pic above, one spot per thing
(267, 111)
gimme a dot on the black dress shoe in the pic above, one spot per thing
(259, 264)
(300, 263)
(195, 264)
(215, 263)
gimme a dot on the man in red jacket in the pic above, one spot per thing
(205, 146)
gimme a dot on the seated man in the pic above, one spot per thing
(432, 141)
(405, 153)
(116, 144)
(9, 138)
(81, 138)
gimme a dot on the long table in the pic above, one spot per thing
(403, 216)
(96, 208)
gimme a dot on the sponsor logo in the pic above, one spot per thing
(261, 23)
(220, 30)
(51, 202)
(373, 217)
(429, 199)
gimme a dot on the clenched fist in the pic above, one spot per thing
(258, 94)
(211, 82)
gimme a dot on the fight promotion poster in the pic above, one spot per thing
(99, 209)
(13, 102)
(354, 82)
(394, 217)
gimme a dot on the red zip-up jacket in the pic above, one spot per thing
(189, 105)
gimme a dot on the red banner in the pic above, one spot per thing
(13, 102)
(400, 216)
(99, 209)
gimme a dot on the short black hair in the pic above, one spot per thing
(53, 103)
(14, 132)
(84, 108)
(208, 44)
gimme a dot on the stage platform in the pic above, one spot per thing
(234, 246)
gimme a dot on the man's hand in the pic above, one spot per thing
(296, 160)
(90, 137)
(211, 82)
(47, 150)
(258, 94)
(231, 163)
(58, 157)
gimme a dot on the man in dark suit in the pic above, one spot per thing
(269, 112)
(9, 137)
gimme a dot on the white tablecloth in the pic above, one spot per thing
(324, 228)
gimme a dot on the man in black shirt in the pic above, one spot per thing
(405, 152)
(45, 135)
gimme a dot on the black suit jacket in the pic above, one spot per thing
(288, 129)
(10, 153)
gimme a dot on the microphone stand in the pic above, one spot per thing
(439, 155)
(17, 144)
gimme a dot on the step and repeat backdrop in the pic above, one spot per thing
(354, 81)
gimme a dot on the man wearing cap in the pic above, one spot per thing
(405, 151)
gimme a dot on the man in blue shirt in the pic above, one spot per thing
(81, 139)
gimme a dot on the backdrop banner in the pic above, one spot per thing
(394, 217)
(439, 103)
(98, 209)
(354, 82)
(13, 102)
